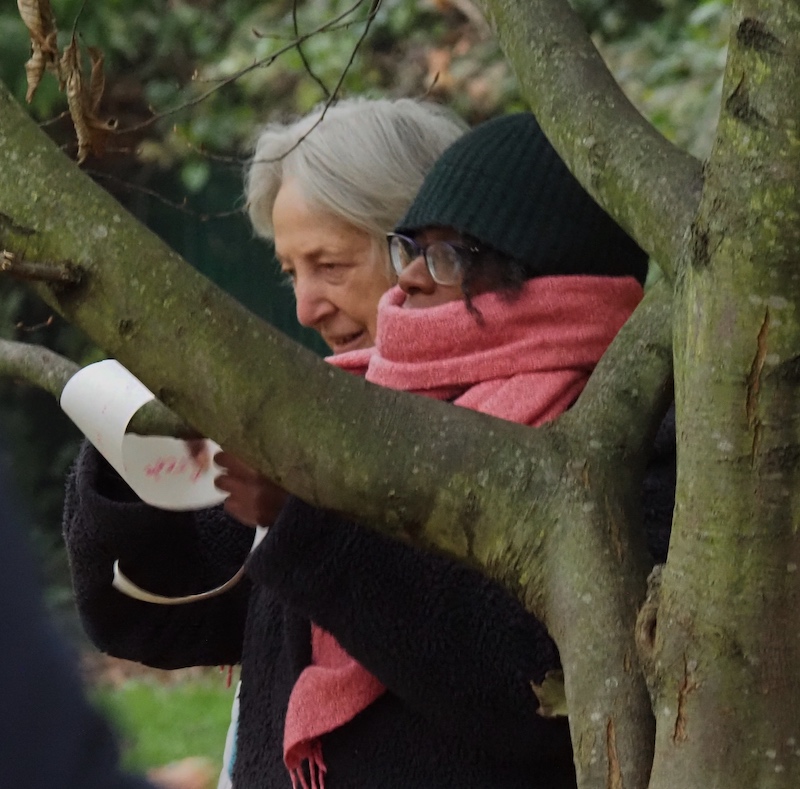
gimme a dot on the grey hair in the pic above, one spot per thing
(363, 163)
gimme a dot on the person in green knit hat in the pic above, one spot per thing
(504, 188)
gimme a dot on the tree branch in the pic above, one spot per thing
(631, 388)
(615, 153)
(50, 371)
(590, 565)
(234, 377)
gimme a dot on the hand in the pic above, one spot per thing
(254, 500)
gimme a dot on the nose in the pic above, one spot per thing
(311, 302)
(415, 277)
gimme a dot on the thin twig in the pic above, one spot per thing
(263, 63)
(36, 327)
(56, 119)
(429, 90)
(376, 4)
(325, 92)
(77, 17)
(61, 271)
(239, 161)
(182, 207)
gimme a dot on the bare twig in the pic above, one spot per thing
(62, 272)
(182, 207)
(325, 92)
(328, 26)
(237, 161)
(376, 4)
(20, 326)
(55, 119)
(77, 18)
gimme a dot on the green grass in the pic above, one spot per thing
(158, 723)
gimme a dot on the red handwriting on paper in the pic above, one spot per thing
(172, 466)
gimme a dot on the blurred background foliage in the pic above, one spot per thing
(186, 121)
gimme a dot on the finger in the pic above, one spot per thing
(199, 452)
(235, 466)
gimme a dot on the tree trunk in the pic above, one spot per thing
(728, 638)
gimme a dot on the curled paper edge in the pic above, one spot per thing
(124, 584)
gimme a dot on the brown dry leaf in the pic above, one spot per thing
(84, 102)
(38, 18)
(97, 80)
(101, 127)
(76, 96)
(551, 695)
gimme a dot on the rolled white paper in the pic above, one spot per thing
(101, 399)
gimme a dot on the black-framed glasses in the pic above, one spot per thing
(445, 261)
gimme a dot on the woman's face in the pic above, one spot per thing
(416, 281)
(337, 271)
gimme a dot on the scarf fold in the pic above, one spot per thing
(526, 361)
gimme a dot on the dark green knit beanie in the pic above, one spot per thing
(505, 185)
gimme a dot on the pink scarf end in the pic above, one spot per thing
(316, 769)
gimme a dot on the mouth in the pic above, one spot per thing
(348, 342)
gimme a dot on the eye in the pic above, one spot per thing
(333, 272)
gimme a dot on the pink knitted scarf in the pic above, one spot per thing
(526, 361)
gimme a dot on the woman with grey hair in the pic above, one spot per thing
(327, 188)
(325, 193)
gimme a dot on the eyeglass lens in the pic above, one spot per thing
(442, 259)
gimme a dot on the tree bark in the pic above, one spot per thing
(727, 644)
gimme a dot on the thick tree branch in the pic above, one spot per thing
(234, 377)
(648, 185)
(592, 562)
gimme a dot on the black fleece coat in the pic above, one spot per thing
(456, 652)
